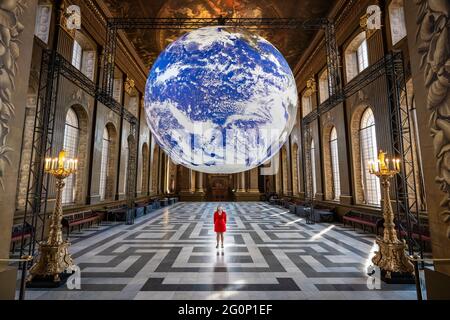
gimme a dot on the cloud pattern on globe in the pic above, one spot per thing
(221, 100)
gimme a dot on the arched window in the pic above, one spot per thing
(313, 168)
(356, 56)
(397, 21)
(324, 93)
(70, 145)
(104, 163)
(306, 104)
(368, 149)
(335, 164)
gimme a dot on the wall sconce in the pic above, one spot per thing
(311, 87)
(129, 86)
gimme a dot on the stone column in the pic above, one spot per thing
(16, 47)
(431, 83)
(192, 181)
(248, 191)
(199, 182)
(254, 185)
(241, 182)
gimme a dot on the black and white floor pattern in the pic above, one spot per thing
(269, 254)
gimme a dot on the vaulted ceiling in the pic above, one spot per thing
(149, 43)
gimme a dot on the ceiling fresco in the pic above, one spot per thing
(149, 43)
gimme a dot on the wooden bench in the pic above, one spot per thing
(273, 199)
(118, 212)
(268, 196)
(142, 207)
(287, 202)
(80, 220)
(363, 219)
(300, 207)
(323, 213)
(18, 232)
(164, 202)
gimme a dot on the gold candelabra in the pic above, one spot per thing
(391, 256)
(54, 257)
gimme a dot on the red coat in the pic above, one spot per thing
(220, 222)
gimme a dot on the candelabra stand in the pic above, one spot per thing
(390, 257)
(54, 258)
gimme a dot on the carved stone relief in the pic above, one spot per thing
(10, 30)
(434, 47)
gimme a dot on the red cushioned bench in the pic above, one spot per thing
(20, 231)
(363, 219)
(80, 220)
(420, 233)
(417, 236)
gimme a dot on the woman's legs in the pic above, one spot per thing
(221, 238)
(217, 239)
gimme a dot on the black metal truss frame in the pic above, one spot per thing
(408, 213)
(38, 182)
(53, 66)
(116, 24)
(407, 204)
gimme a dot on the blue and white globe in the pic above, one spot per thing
(221, 100)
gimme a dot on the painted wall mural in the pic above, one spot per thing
(10, 30)
(149, 43)
(434, 46)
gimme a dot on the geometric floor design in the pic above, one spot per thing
(269, 254)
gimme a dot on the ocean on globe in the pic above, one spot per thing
(221, 100)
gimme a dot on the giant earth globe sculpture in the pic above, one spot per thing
(221, 100)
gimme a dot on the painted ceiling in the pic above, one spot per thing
(149, 43)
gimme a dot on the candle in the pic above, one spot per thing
(47, 164)
(61, 159)
(76, 165)
(387, 164)
(397, 162)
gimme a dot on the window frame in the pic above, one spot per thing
(370, 183)
(77, 55)
(324, 86)
(71, 147)
(334, 158)
(362, 56)
(312, 151)
(104, 163)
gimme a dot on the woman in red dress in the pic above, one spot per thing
(220, 224)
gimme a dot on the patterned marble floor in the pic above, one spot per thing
(269, 254)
